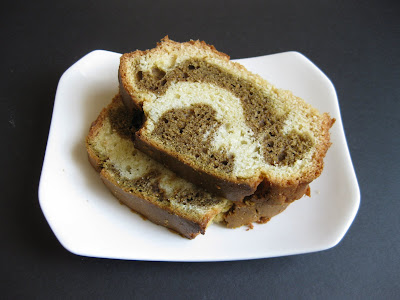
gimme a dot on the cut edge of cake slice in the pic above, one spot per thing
(218, 125)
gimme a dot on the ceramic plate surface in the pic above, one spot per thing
(88, 221)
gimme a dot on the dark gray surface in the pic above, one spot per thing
(355, 43)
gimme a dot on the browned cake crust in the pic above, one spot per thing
(267, 202)
(154, 213)
(252, 212)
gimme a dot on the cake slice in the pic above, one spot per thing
(155, 192)
(221, 127)
(141, 183)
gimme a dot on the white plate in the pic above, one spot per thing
(87, 219)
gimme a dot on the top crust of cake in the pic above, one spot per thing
(219, 119)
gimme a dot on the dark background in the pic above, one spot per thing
(356, 44)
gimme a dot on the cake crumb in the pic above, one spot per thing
(249, 226)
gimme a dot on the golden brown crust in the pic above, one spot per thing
(265, 203)
(276, 195)
(246, 213)
(154, 213)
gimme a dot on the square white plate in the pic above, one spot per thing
(87, 219)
